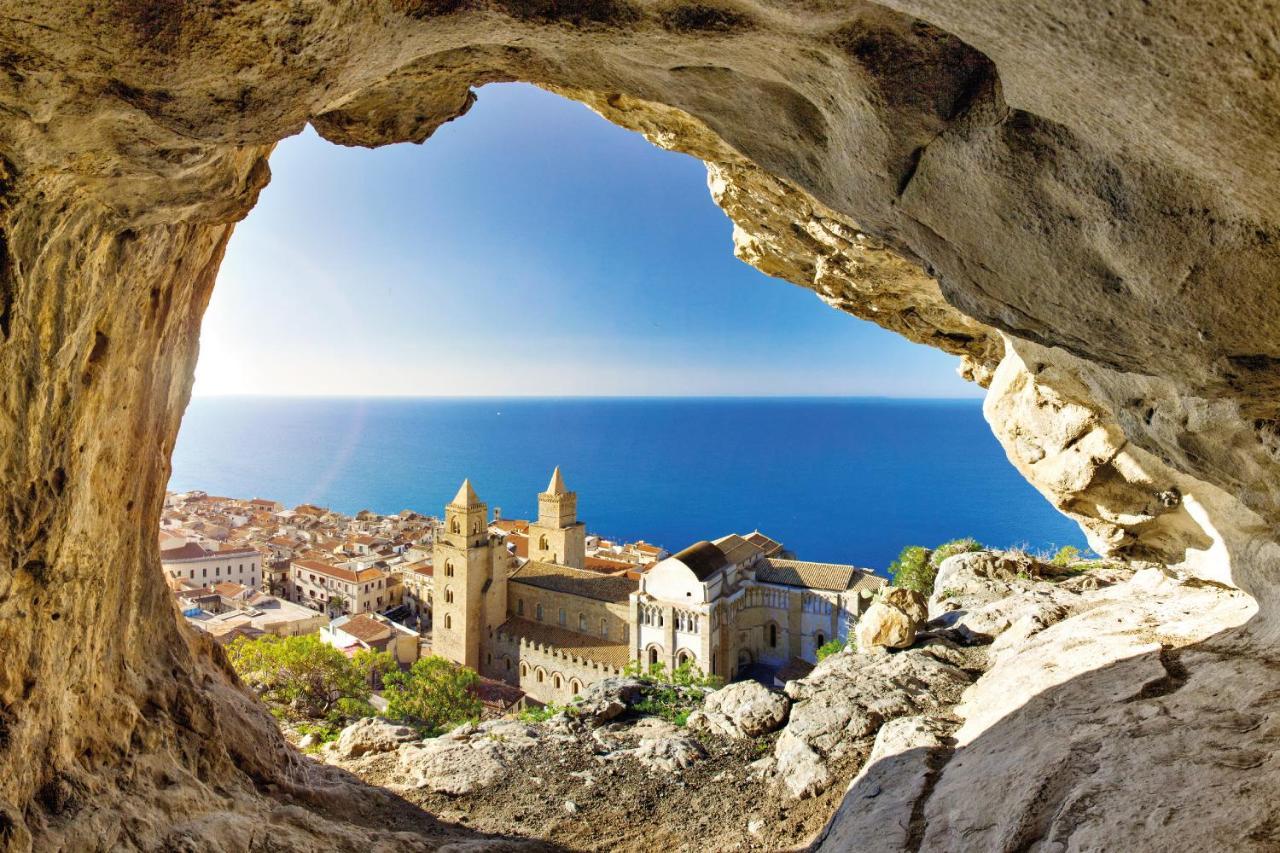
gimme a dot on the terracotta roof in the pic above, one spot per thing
(365, 628)
(578, 582)
(738, 550)
(192, 551)
(828, 576)
(586, 646)
(647, 548)
(333, 571)
(511, 525)
(600, 564)
(229, 588)
(764, 543)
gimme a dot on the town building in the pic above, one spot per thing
(201, 566)
(322, 585)
(552, 624)
(371, 631)
(229, 610)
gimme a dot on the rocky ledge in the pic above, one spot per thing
(1015, 669)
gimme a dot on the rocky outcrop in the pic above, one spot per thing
(606, 699)
(745, 709)
(840, 706)
(1037, 188)
(892, 619)
(371, 735)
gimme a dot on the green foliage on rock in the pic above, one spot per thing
(302, 678)
(433, 696)
(913, 570)
(950, 549)
(672, 695)
(917, 566)
(831, 648)
(1066, 555)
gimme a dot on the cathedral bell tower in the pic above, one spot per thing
(463, 560)
(558, 537)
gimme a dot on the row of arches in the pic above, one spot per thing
(539, 674)
(656, 654)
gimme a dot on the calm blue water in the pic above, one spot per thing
(841, 480)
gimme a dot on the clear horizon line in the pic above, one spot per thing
(975, 397)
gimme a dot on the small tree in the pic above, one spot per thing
(337, 604)
(913, 570)
(434, 696)
(301, 677)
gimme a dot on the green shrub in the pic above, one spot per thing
(1066, 555)
(672, 695)
(912, 570)
(955, 546)
(434, 696)
(828, 649)
(539, 714)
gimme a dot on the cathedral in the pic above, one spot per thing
(551, 625)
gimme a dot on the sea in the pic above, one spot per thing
(847, 480)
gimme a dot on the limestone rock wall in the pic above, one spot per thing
(1078, 200)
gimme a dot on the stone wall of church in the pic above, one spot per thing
(608, 620)
(544, 672)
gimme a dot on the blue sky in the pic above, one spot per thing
(528, 248)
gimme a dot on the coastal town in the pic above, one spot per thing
(540, 608)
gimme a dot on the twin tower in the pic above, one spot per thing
(471, 567)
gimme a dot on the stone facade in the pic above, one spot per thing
(552, 627)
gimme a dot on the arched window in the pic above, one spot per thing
(556, 680)
(576, 686)
(488, 658)
(524, 670)
(448, 596)
(542, 542)
(448, 568)
(820, 640)
(540, 675)
(448, 620)
(773, 636)
(506, 661)
(455, 527)
(475, 527)
(538, 612)
(653, 656)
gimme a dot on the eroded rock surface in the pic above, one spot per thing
(1080, 205)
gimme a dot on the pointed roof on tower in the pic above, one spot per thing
(556, 486)
(466, 496)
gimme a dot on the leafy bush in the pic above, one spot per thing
(434, 696)
(538, 714)
(912, 570)
(302, 678)
(955, 546)
(672, 695)
(829, 649)
(1066, 555)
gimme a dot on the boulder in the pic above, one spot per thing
(843, 703)
(607, 698)
(668, 753)
(452, 767)
(371, 735)
(892, 620)
(744, 709)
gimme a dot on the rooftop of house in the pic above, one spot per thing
(738, 550)
(586, 646)
(580, 582)
(364, 628)
(764, 543)
(192, 551)
(826, 576)
(321, 567)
